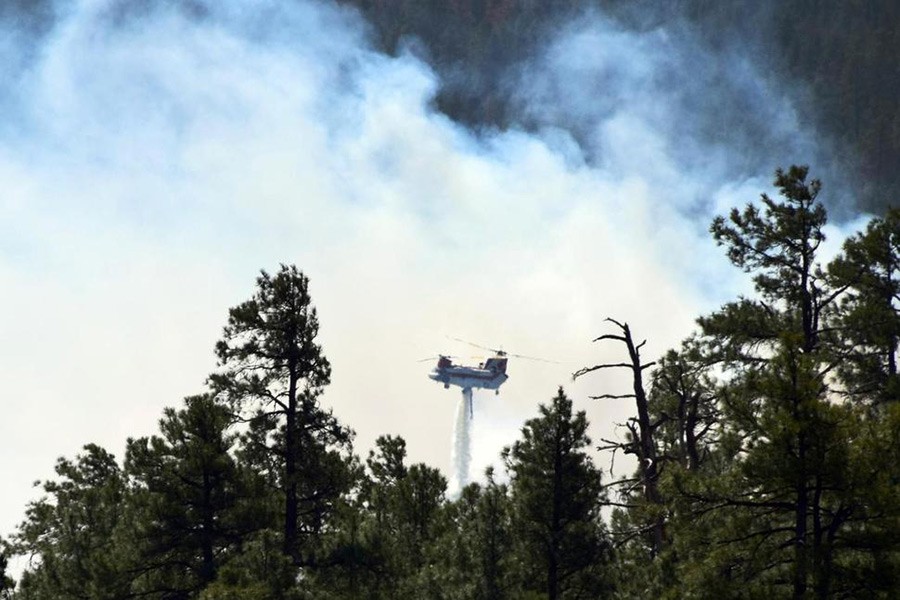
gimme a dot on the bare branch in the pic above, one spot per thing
(619, 325)
(587, 370)
(620, 504)
(619, 482)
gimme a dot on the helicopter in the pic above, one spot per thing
(489, 375)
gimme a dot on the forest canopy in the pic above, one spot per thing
(767, 451)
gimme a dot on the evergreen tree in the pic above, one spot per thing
(73, 533)
(258, 570)
(492, 541)
(272, 373)
(389, 552)
(869, 270)
(683, 404)
(779, 247)
(869, 324)
(7, 584)
(383, 544)
(556, 497)
(777, 511)
(476, 552)
(190, 502)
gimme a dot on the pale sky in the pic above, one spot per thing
(149, 167)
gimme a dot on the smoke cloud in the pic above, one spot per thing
(153, 159)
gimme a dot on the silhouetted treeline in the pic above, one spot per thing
(767, 452)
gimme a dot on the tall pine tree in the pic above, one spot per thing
(556, 495)
(191, 503)
(776, 512)
(272, 373)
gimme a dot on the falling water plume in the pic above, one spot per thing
(462, 440)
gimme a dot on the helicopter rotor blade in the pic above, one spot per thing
(439, 356)
(494, 350)
(504, 353)
(552, 362)
(453, 356)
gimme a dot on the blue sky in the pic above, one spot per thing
(150, 167)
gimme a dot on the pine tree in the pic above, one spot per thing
(492, 539)
(73, 533)
(474, 557)
(190, 501)
(7, 584)
(556, 497)
(382, 545)
(683, 404)
(683, 424)
(786, 440)
(272, 373)
(869, 270)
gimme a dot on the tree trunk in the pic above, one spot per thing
(290, 471)
(691, 433)
(208, 567)
(647, 456)
(553, 562)
(800, 523)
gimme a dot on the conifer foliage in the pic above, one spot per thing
(189, 499)
(556, 499)
(273, 372)
(767, 451)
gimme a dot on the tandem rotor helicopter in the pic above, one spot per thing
(488, 375)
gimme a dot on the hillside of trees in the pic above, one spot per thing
(840, 58)
(767, 447)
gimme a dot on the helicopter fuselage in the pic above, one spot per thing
(489, 376)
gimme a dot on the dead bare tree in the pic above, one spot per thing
(641, 442)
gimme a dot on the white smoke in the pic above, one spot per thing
(153, 162)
